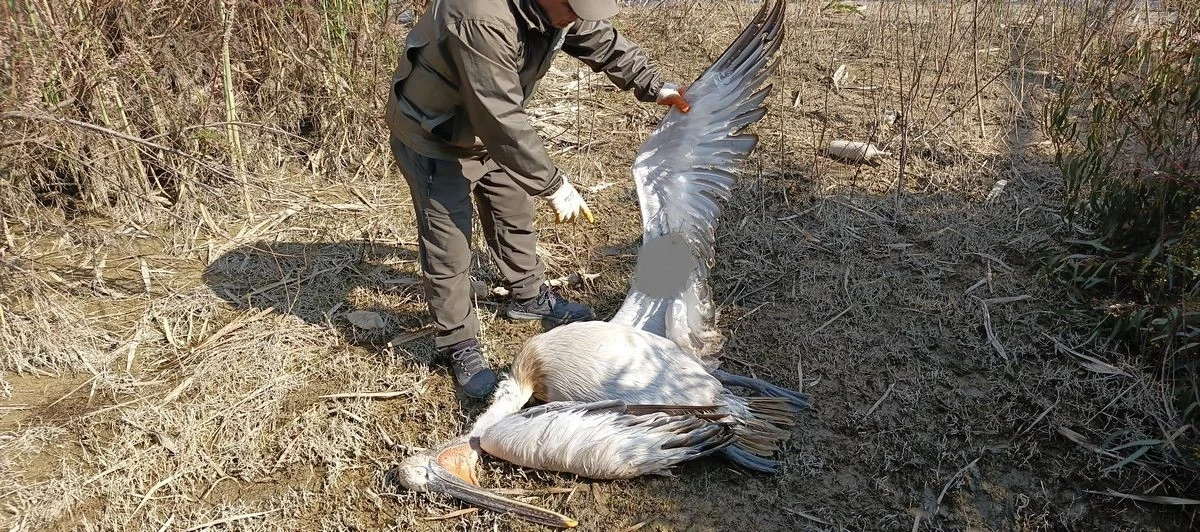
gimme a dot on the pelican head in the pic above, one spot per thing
(451, 471)
(417, 473)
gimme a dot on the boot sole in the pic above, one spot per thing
(485, 395)
(529, 316)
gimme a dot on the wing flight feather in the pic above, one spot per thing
(605, 439)
(683, 172)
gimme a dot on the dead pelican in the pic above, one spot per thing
(602, 440)
(661, 347)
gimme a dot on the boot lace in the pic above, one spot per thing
(546, 297)
(469, 359)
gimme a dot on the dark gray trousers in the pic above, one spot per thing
(441, 195)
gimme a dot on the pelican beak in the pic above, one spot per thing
(460, 460)
(444, 481)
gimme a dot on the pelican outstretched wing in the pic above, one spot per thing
(683, 170)
(606, 439)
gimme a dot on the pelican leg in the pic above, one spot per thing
(798, 400)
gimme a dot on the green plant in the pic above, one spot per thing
(1125, 125)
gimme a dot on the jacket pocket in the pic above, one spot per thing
(416, 39)
(414, 94)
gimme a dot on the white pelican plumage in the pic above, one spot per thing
(642, 392)
(602, 440)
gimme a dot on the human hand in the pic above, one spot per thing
(671, 95)
(568, 204)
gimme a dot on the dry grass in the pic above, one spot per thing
(175, 292)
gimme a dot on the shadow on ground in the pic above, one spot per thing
(321, 283)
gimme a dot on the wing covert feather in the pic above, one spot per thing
(606, 439)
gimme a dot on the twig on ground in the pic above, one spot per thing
(451, 515)
(831, 320)
(987, 327)
(808, 516)
(953, 478)
(368, 395)
(1155, 499)
(880, 401)
(231, 519)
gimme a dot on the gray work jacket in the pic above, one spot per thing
(469, 68)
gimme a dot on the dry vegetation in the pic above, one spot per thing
(195, 198)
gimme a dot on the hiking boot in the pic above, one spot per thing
(471, 372)
(547, 305)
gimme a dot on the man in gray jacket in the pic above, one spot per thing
(456, 113)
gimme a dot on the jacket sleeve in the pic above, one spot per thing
(601, 47)
(487, 59)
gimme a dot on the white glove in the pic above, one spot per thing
(568, 204)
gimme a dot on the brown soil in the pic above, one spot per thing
(939, 360)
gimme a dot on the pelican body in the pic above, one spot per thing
(597, 361)
(607, 439)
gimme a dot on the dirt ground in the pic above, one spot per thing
(952, 391)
